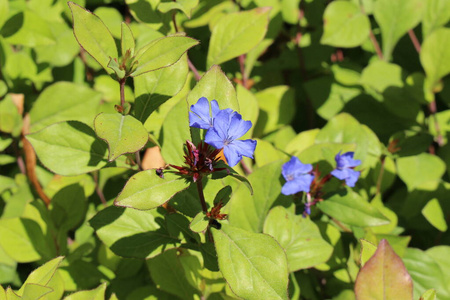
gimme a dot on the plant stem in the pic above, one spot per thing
(414, 40)
(98, 190)
(122, 91)
(433, 111)
(373, 39)
(201, 195)
(241, 59)
(138, 160)
(194, 70)
(380, 175)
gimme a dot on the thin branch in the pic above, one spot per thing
(241, 60)
(122, 91)
(380, 175)
(433, 111)
(375, 44)
(138, 160)
(414, 40)
(98, 190)
(201, 195)
(194, 70)
(245, 168)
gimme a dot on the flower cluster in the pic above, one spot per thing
(224, 128)
(301, 177)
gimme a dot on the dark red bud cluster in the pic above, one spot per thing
(199, 161)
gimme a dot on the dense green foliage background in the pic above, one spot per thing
(315, 77)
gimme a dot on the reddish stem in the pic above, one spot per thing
(414, 40)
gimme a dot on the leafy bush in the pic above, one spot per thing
(254, 149)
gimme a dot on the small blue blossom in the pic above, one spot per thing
(298, 177)
(200, 115)
(227, 128)
(344, 168)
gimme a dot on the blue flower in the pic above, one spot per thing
(200, 115)
(344, 168)
(298, 177)
(228, 126)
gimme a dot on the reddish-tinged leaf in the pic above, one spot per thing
(384, 276)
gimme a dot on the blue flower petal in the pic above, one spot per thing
(232, 155)
(213, 138)
(199, 116)
(353, 178)
(238, 127)
(294, 168)
(300, 184)
(222, 123)
(244, 147)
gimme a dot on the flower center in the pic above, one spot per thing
(290, 177)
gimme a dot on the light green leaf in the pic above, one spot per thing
(127, 40)
(124, 134)
(4, 11)
(395, 18)
(420, 170)
(426, 273)
(434, 214)
(429, 295)
(64, 101)
(236, 34)
(162, 53)
(277, 108)
(22, 239)
(249, 212)
(133, 233)
(253, 264)
(2, 293)
(367, 251)
(290, 11)
(95, 294)
(42, 275)
(114, 65)
(299, 237)
(168, 273)
(384, 276)
(28, 29)
(215, 85)
(249, 110)
(381, 75)
(436, 15)
(348, 207)
(35, 291)
(441, 254)
(10, 119)
(199, 223)
(266, 153)
(154, 88)
(69, 148)
(112, 19)
(146, 190)
(68, 207)
(175, 131)
(186, 6)
(435, 57)
(92, 34)
(345, 25)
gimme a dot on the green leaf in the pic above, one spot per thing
(186, 6)
(426, 273)
(434, 56)
(92, 34)
(162, 53)
(249, 212)
(95, 294)
(253, 264)
(42, 275)
(290, 11)
(348, 207)
(10, 119)
(420, 170)
(124, 134)
(114, 65)
(133, 233)
(429, 295)
(367, 251)
(299, 237)
(432, 211)
(199, 223)
(174, 132)
(395, 18)
(80, 104)
(68, 207)
(250, 110)
(441, 254)
(146, 190)
(22, 239)
(28, 29)
(277, 108)
(345, 25)
(127, 40)
(436, 15)
(112, 19)
(381, 75)
(384, 276)
(155, 88)
(69, 148)
(35, 291)
(168, 273)
(4, 11)
(236, 34)
(215, 85)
